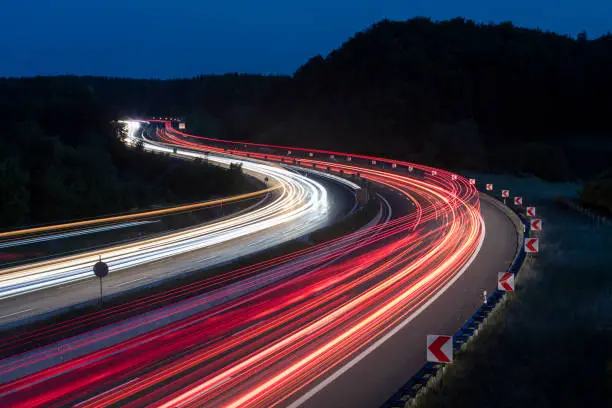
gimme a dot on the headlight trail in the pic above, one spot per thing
(297, 199)
(285, 325)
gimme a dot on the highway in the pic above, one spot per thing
(339, 324)
(299, 199)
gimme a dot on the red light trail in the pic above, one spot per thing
(305, 314)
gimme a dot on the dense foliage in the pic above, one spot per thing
(460, 94)
(597, 192)
(61, 159)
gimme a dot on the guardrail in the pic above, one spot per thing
(410, 390)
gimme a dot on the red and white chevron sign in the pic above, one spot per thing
(373, 161)
(288, 152)
(393, 165)
(348, 159)
(505, 193)
(532, 245)
(531, 211)
(505, 281)
(410, 168)
(331, 156)
(439, 348)
(434, 173)
(310, 154)
(472, 181)
(489, 187)
(536, 224)
(518, 200)
(453, 177)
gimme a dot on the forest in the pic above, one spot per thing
(62, 159)
(454, 94)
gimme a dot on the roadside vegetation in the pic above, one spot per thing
(550, 343)
(597, 193)
(61, 160)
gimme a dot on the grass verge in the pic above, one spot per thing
(550, 343)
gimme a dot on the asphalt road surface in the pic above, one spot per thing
(46, 301)
(372, 380)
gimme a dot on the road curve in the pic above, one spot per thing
(297, 199)
(309, 317)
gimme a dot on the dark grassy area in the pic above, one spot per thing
(550, 343)
(348, 225)
(597, 193)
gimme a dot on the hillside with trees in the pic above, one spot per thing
(454, 94)
(61, 159)
(460, 95)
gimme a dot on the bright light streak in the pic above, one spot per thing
(300, 200)
(289, 322)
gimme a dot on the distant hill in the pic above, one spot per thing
(456, 94)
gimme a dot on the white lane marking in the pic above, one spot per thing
(320, 386)
(132, 281)
(16, 313)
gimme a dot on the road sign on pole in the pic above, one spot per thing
(331, 156)
(410, 168)
(536, 224)
(439, 348)
(348, 159)
(489, 187)
(434, 173)
(453, 177)
(518, 200)
(100, 270)
(531, 211)
(505, 193)
(393, 165)
(532, 245)
(472, 181)
(310, 154)
(373, 161)
(505, 281)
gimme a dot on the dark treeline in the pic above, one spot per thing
(459, 94)
(61, 159)
(455, 94)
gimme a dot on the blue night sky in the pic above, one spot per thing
(164, 39)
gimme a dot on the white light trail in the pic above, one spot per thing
(300, 200)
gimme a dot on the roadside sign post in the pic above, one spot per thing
(505, 281)
(536, 224)
(100, 269)
(532, 245)
(439, 348)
